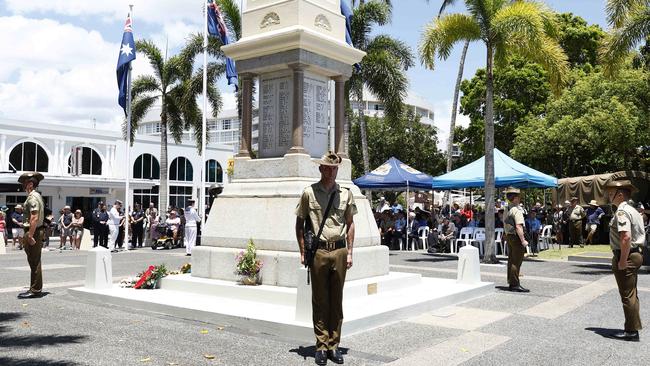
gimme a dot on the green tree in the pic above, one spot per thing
(521, 91)
(405, 138)
(176, 87)
(599, 122)
(506, 28)
(383, 68)
(579, 40)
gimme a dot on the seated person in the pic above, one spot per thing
(173, 222)
(400, 228)
(446, 235)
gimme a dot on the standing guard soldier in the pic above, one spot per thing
(514, 229)
(34, 232)
(626, 236)
(333, 256)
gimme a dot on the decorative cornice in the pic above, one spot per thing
(270, 19)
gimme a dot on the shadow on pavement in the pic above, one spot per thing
(308, 352)
(30, 341)
(603, 332)
(503, 288)
(9, 361)
(433, 258)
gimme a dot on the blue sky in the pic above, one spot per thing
(61, 64)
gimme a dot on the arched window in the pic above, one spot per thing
(181, 170)
(91, 163)
(213, 172)
(146, 166)
(28, 156)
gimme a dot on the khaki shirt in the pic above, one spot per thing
(627, 219)
(34, 203)
(515, 217)
(577, 213)
(313, 203)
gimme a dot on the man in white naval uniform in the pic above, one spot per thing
(191, 218)
(114, 219)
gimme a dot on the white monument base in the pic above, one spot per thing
(99, 270)
(284, 311)
(86, 241)
(469, 266)
(3, 249)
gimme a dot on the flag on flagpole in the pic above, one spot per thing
(346, 11)
(127, 54)
(217, 27)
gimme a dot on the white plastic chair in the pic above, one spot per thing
(479, 239)
(546, 239)
(498, 233)
(465, 238)
(423, 235)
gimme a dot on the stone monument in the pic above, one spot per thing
(294, 48)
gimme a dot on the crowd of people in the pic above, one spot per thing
(108, 226)
(571, 223)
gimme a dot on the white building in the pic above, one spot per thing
(43, 147)
(375, 108)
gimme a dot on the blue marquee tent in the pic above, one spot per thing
(507, 172)
(394, 175)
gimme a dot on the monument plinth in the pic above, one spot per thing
(294, 48)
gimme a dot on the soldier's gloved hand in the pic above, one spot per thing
(349, 261)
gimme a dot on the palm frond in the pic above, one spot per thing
(618, 44)
(174, 112)
(400, 50)
(144, 84)
(366, 15)
(520, 19)
(443, 33)
(444, 5)
(618, 11)
(153, 55)
(232, 16)
(139, 108)
(386, 80)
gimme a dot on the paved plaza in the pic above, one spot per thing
(559, 322)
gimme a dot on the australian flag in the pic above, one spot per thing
(346, 11)
(127, 54)
(217, 27)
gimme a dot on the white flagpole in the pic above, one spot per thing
(201, 198)
(128, 150)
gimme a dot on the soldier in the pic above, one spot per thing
(334, 254)
(576, 214)
(34, 232)
(514, 229)
(626, 236)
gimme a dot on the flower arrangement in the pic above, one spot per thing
(248, 266)
(128, 282)
(186, 268)
(150, 278)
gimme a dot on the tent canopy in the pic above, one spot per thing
(592, 187)
(507, 172)
(394, 175)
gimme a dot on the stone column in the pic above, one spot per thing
(298, 108)
(339, 116)
(246, 126)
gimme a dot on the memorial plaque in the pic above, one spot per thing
(276, 117)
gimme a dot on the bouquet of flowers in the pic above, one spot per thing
(149, 279)
(247, 263)
(186, 268)
(128, 282)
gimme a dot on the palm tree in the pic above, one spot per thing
(383, 68)
(176, 87)
(459, 79)
(630, 20)
(506, 28)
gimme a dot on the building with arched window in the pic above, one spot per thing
(48, 148)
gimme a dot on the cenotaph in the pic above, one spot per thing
(294, 48)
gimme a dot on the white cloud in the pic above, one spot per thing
(442, 117)
(175, 34)
(59, 73)
(150, 11)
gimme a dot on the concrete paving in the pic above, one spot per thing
(499, 329)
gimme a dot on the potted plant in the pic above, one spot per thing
(248, 266)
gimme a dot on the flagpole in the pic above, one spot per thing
(203, 170)
(128, 150)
